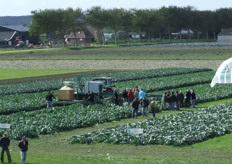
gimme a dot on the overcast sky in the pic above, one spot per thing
(24, 7)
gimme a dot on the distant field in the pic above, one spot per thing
(20, 73)
(125, 53)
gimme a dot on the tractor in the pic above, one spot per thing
(75, 92)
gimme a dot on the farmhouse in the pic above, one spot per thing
(225, 36)
(82, 37)
(9, 35)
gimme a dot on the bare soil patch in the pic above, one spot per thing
(109, 64)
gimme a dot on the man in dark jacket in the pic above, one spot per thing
(5, 142)
(193, 97)
(172, 101)
(116, 97)
(181, 95)
(23, 145)
(177, 101)
(144, 104)
(124, 96)
(135, 105)
(49, 98)
(187, 99)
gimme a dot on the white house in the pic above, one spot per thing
(225, 36)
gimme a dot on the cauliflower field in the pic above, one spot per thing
(23, 106)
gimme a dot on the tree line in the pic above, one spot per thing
(156, 23)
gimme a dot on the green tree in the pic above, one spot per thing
(138, 21)
(114, 21)
(126, 22)
(96, 17)
(43, 22)
(75, 20)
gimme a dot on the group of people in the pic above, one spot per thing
(181, 100)
(137, 97)
(5, 143)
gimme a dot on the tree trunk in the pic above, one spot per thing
(189, 34)
(103, 37)
(75, 35)
(169, 35)
(149, 38)
(214, 35)
(180, 36)
(64, 42)
(207, 35)
(160, 37)
(100, 39)
(128, 38)
(50, 40)
(115, 37)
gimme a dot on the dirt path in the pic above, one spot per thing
(108, 64)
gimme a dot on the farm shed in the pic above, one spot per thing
(82, 37)
(225, 36)
(9, 35)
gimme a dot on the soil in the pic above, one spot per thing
(108, 64)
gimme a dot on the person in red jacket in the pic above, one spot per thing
(130, 96)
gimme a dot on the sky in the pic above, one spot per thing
(24, 7)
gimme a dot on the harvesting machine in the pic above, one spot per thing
(76, 91)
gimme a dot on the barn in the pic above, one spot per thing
(9, 35)
(225, 36)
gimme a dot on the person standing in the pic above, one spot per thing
(87, 97)
(172, 101)
(91, 97)
(5, 143)
(181, 96)
(193, 97)
(177, 101)
(141, 94)
(144, 104)
(164, 100)
(135, 106)
(169, 100)
(124, 96)
(152, 105)
(23, 145)
(116, 97)
(49, 98)
(130, 96)
(136, 93)
(187, 99)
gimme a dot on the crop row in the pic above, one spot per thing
(152, 73)
(32, 101)
(185, 128)
(169, 82)
(41, 86)
(46, 121)
(31, 87)
(22, 102)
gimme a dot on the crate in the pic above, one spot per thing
(65, 95)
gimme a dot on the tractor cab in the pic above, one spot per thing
(107, 83)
